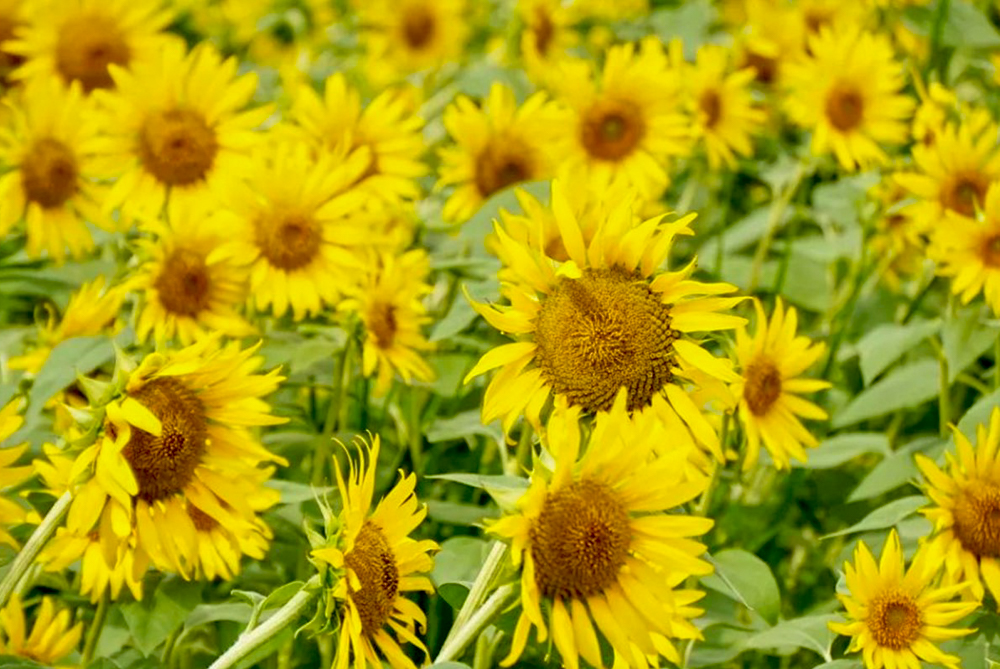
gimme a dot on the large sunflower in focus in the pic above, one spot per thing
(407, 35)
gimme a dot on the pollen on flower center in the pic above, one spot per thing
(418, 27)
(86, 45)
(164, 465)
(177, 146)
(977, 518)
(965, 193)
(372, 561)
(49, 173)
(894, 620)
(763, 385)
(184, 284)
(711, 106)
(289, 241)
(845, 108)
(580, 540)
(612, 129)
(500, 164)
(382, 324)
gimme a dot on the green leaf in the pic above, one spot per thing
(840, 664)
(689, 23)
(965, 338)
(505, 490)
(968, 28)
(11, 662)
(461, 426)
(210, 613)
(455, 513)
(155, 618)
(746, 578)
(296, 493)
(908, 386)
(77, 355)
(895, 470)
(449, 665)
(888, 343)
(885, 516)
(978, 414)
(810, 632)
(456, 567)
(837, 450)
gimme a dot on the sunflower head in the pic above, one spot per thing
(11, 512)
(52, 637)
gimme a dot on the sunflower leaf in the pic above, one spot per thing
(746, 578)
(884, 516)
(909, 386)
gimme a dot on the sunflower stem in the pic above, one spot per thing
(996, 363)
(26, 558)
(491, 567)
(94, 633)
(944, 398)
(774, 216)
(456, 644)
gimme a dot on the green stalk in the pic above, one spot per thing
(491, 567)
(94, 634)
(774, 217)
(944, 399)
(456, 645)
(26, 558)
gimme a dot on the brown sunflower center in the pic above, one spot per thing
(544, 30)
(765, 67)
(164, 465)
(612, 129)
(601, 332)
(177, 146)
(8, 61)
(49, 173)
(977, 519)
(711, 106)
(382, 324)
(86, 45)
(501, 163)
(894, 620)
(419, 26)
(373, 563)
(990, 251)
(184, 283)
(289, 241)
(579, 541)
(763, 386)
(202, 521)
(845, 108)
(817, 18)
(964, 193)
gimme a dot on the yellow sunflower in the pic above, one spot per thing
(50, 141)
(769, 405)
(52, 637)
(292, 223)
(609, 10)
(772, 36)
(188, 288)
(604, 319)
(815, 15)
(403, 36)
(388, 298)
(597, 542)
(388, 126)
(625, 122)
(177, 476)
(546, 37)
(371, 563)
(897, 241)
(896, 615)
(11, 20)
(11, 513)
(78, 40)
(174, 126)
(848, 93)
(497, 145)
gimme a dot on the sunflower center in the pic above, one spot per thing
(990, 251)
(373, 563)
(86, 45)
(845, 108)
(503, 162)
(288, 241)
(49, 173)
(418, 27)
(964, 193)
(894, 620)
(816, 18)
(612, 129)
(977, 519)
(765, 67)
(164, 465)
(382, 324)
(177, 147)
(579, 541)
(763, 386)
(544, 30)
(8, 61)
(711, 106)
(184, 283)
(601, 332)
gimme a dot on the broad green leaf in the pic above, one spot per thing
(505, 490)
(11, 662)
(907, 386)
(888, 343)
(689, 22)
(978, 414)
(461, 426)
(841, 448)
(965, 338)
(968, 28)
(156, 617)
(840, 664)
(885, 516)
(296, 493)
(454, 513)
(746, 578)
(721, 644)
(75, 355)
(895, 470)
(810, 632)
(456, 567)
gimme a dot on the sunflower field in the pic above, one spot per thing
(464, 334)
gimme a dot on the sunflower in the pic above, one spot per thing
(609, 10)
(370, 563)
(388, 126)
(79, 40)
(174, 126)
(625, 122)
(11, 513)
(498, 144)
(292, 223)
(895, 615)
(768, 388)
(188, 288)
(177, 475)
(409, 35)
(11, 20)
(52, 637)
(772, 36)
(596, 542)
(602, 320)
(897, 242)
(547, 35)
(50, 141)
(389, 301)
(815, 15)
(847, 92)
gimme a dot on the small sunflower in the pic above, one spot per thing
(49, 139)
(388, 126)
(408, 35)
(897, 241)
(52, 637)
(896, 615)
(389, 302)
(772, 37)
(174, 127)
(847, 91)
(371, 563)
(816, 15)
(498, 144)
(597, 542)
(546, 37)
(11, 513)
(604, 319)
(768, 388)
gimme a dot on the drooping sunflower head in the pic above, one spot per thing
(11, 512)
(52, 637)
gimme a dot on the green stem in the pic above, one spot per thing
(996, 363)
(911, 309)
(168, 648)
(26, 558)
(936, 58)
(416, 433)
(94, 633)
(774, 217)
(523, 452)
(944, 399)
(491, 567)
(456, 644)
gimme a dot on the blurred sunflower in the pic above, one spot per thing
(11, 20)
(609, 10)
(52, 637)
(816, 15)
(50, 139)
(11, 513)
(897, 240)
(771, 37)
(895, 615)
(291, 224)
(546, 37)
(498, 144)
(768, 388)
(596, 543)
(371, 563)
(606, 318)
(177, 477)
(408, 35)
(388, 298)
(388, 126)
(77, 40)
(174, 127)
